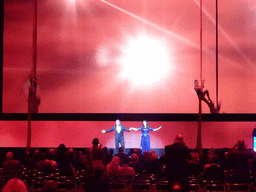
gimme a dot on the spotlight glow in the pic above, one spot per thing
(70, 6)
(146, 61)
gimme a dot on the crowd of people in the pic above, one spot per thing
(177, 165)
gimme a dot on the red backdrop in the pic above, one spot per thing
(81, 133)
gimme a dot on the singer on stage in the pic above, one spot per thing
(119, 134)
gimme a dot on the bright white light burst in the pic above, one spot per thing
(146, 61)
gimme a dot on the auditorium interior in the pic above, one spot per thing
(71, 68)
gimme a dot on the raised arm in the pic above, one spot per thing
(106, 131)
(124, 128)
(156, 129)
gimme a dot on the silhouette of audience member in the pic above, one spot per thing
(50, 186)
(213, 171)
(194, 164)
(154, 165)
(146, 161)
(121, 155)
(126, 170)
(83, 162)
(97, 183)
(96, 154)
(37, 155)
(30, 161)
(177, 155)
(111, 152)
(77, 159)
(136, 163)
(45, 165)
(139, 153)
(64, 166)
(211, 153)
(15, 185)
(134, 159)
(11, 167)
(51, 153)
(239, 158)
(113, 167)
(106, 156)
(110, 155)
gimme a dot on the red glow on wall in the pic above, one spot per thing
(79, 134)
(80, 48)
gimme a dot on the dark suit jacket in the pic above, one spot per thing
(176, 158)
(118, 135)
(11, 168)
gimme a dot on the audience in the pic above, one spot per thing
(136, 163)
(15, 185)
(126, 170)
(176, 164)
(240, 158)
(194, 164)
(151, 163)
(113, 167)
(37, 155)
(50, 186)
(106, 156)
(77, 159)
(30, 161)
(122, 156)
(45, 165)
(213, 171)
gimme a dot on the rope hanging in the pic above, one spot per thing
(199, 136)
(32, 94)
(217, 56)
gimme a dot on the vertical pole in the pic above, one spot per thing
(32, 89)
(199, 130)
(1, 51)
(201, 42)
(35, 38)
(217, 56)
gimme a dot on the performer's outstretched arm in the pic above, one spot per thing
(157, 128)
(106, 131)
(128, 130)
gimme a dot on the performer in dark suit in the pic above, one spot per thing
(119, 134)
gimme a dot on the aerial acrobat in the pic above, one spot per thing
(202, 96)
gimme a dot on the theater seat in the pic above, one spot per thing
(215, 187)
(194, 187)
(162, 187)
(140, 186)
(117, 187)
(239, 187)
(66, 185)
